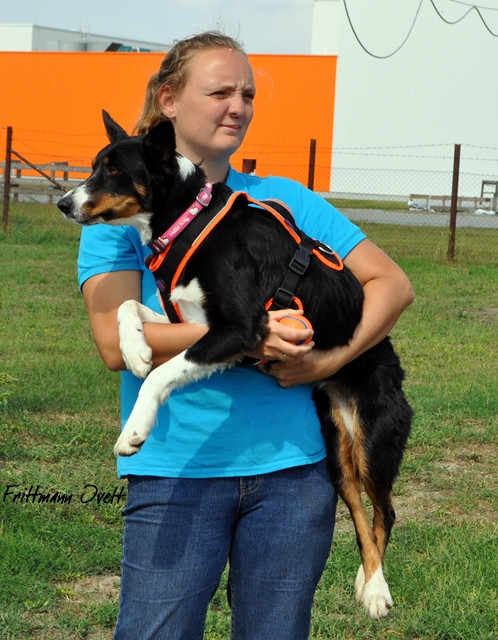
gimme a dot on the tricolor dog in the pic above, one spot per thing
(365, 416)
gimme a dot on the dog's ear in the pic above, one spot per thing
(114, 131)
(160, 149)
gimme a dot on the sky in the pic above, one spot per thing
(263, 26)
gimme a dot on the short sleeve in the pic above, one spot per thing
(106, 248)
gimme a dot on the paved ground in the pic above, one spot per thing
(422, 218)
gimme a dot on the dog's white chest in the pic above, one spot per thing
(190, 300)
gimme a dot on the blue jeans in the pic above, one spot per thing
(275, 530)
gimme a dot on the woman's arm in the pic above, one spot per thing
(388, 292)
(104, 293)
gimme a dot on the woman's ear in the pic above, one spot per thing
(167, 102)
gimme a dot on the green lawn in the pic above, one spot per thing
(355, 203)
(60, 560)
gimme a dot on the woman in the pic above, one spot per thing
(235, 468)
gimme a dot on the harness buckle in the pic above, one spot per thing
(300, 260)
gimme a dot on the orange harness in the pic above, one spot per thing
(283, 298)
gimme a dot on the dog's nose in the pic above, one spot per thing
(65, 205)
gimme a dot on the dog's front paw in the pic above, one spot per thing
(128, 444)
(136, 352)
(375, 596)
(132, 437)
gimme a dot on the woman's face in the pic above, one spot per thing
(212, 112)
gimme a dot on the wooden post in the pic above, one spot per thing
(249, 166)
(311, 166)
(454, 202)
(6, 179)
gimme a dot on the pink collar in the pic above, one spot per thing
(202, 200)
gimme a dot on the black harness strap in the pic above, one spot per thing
(286, 293)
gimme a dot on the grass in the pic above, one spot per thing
(60, 561)
(356, 203)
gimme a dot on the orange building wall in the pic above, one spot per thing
(53, 101)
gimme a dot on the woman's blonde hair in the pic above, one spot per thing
(174, 72)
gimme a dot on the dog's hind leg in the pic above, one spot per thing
(388, 432)
(155, 390)
(383, 518)
(371, 588)
(383, 522)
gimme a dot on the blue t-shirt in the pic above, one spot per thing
(239, 422)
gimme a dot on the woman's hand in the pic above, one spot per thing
(307, 369)
(278, 343)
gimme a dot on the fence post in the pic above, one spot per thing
(311, 166)
(6, 179)
(249, 166)
(454, 202)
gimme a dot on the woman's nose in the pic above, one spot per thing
(237, 106)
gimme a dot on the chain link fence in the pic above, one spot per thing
(401, 198)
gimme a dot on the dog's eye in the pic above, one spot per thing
(113, 170)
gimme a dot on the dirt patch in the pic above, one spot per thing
(76, 599)
(488, 315)
(457, 488)
(90, 589)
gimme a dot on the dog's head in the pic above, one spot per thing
(125, 176)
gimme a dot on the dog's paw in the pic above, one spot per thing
(375, 596)
(131, 439)
(129, 445)
(137, 354)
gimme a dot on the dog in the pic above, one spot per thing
(365, 417)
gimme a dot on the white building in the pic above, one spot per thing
(31, 37)
(409, 87)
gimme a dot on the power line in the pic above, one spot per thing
(472, 7)
(389, 54)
